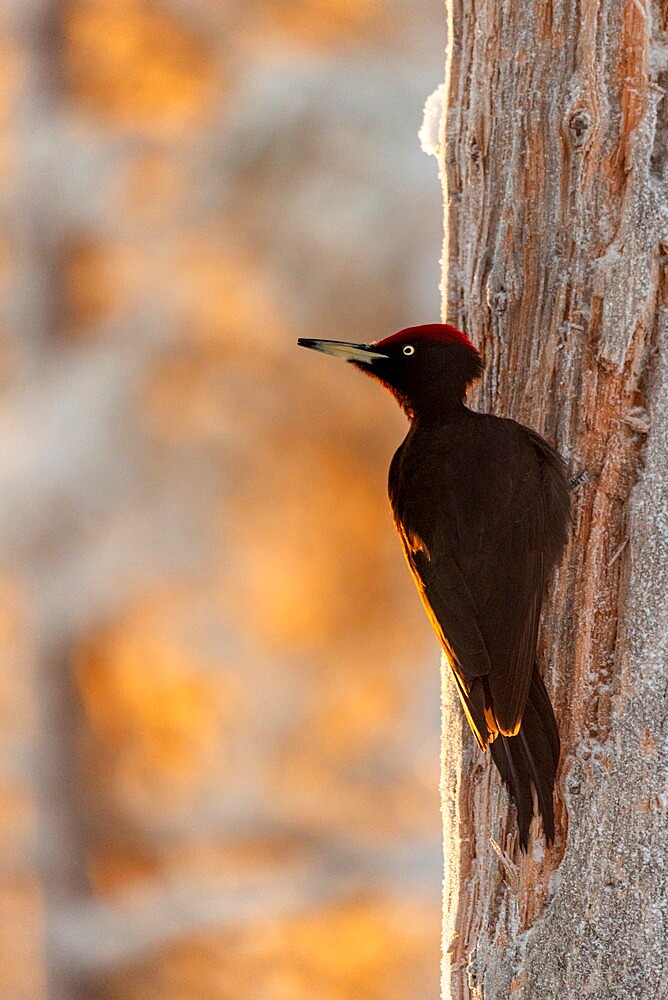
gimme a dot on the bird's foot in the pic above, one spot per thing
(581, 479)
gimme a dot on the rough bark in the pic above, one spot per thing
(556, 176)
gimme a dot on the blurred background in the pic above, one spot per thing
(219, 697)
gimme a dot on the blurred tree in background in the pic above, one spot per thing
(219, 699)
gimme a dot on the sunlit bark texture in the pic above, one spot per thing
(556, 173)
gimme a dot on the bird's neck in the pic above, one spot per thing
(442, 403)
(437, 411)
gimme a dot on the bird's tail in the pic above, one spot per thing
(528, 761)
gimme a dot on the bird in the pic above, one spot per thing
(482, 507)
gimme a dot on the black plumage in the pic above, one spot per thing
(482, 507)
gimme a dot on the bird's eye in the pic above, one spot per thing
(409, 349)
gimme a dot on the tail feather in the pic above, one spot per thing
(528, 761)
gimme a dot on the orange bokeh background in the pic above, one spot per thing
(219, 695)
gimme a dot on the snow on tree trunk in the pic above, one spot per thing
(555, 166)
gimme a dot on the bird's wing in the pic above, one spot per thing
(510, 680)
(480, 541)
(493, 682)
(453, 614)
(481, 575)
(535, 532)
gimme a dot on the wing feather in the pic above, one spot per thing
(510, 688)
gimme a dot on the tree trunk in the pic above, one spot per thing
(556, 174)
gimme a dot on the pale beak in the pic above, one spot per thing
(347, 352)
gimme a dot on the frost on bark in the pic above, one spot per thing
(555, 166)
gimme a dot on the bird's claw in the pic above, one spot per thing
(581, 479)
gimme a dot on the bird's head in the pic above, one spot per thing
(427, 368)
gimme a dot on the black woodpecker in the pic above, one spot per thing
(481, 504)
